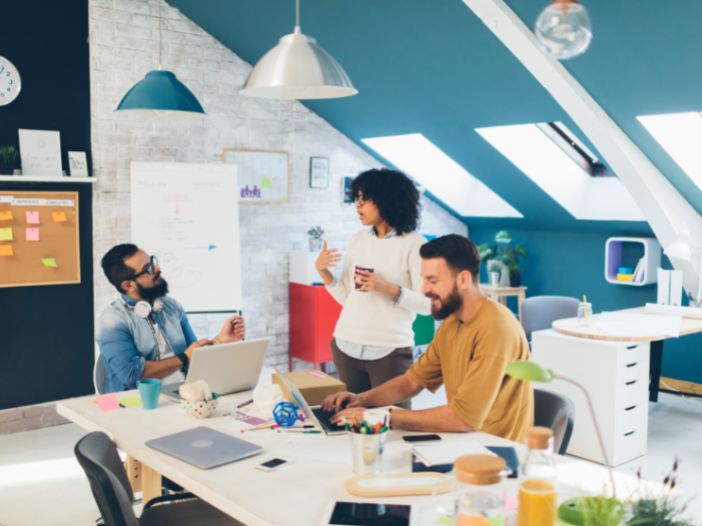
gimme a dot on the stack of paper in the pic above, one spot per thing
(638, 325)
(446, 451)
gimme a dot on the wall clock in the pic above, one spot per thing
(10, 82)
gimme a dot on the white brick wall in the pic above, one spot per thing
(123, 47)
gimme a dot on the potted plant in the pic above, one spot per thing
(8, 155)
(507, 257)
(315, 238)
(494, 268)
(651, 509)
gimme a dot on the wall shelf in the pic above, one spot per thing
(626, 252)
(45, 179)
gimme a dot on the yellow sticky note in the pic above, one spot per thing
(130, 401)
(5, 215)
(6, 250)
(6, 234)
(59, 217)
(49, 262)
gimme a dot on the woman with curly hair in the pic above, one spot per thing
(380, 284)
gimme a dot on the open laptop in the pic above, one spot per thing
(227, 368)
(316, 414)
(204, 447)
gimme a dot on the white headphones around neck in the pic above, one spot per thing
(143, 309)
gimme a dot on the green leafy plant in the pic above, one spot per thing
(503, 252)
(8, 154)
(602, 511)
(659, 510)
(316, 231)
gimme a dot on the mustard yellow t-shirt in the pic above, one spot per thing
(471, 359)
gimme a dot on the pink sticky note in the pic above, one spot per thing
(32, 234)
(32, 217)
(108, 402)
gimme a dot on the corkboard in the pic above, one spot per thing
(53, 259)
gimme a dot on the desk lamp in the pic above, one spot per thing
(533, 372)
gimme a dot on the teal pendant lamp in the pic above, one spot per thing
(161, 93)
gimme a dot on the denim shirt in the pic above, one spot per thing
(126, 341)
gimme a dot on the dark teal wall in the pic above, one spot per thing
(572, 264)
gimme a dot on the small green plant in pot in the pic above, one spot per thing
(8, 155)
(315, 238)
(507, 255)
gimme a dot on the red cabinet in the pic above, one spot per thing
(313, 315)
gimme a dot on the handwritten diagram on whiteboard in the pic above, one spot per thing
(188, 216)
(262, 174)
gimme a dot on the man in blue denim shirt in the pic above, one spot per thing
(145, 333)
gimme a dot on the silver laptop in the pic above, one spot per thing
(318, 415)
(204, 447)
(227, 368)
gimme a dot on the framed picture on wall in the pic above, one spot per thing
(77, 164)
(263, 175)
(346, 190)
(319, 172)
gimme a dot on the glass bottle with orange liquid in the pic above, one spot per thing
(537, 489)
(480, 491)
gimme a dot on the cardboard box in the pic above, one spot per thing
(314, 385)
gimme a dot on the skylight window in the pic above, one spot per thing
(415, 155)
(680, 134)
(551, 156)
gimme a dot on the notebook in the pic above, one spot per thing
(204, 447)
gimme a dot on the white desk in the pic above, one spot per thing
(295, 495)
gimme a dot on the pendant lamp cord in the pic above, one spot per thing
(297, 17)
(159, 35)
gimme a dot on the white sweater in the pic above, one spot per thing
(372, 318)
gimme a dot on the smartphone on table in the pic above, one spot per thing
(421, 438)
(273, 464)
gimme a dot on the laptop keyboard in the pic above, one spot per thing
(324, 419)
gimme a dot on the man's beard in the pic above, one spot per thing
(451, 304)
(155, 292)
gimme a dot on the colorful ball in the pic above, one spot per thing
(285, 414)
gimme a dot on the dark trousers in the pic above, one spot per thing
(361, 375)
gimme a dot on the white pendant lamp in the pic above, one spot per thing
(297, 68)
(563, 29)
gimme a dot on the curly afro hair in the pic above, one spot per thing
(393, 193)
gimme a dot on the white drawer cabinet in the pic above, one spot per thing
(615, 375)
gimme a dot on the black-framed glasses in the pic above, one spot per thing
(149, 268)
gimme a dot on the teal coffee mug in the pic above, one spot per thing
(149, 390)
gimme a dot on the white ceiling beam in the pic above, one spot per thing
(665, 209)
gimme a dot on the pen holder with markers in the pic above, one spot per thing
(367, 445)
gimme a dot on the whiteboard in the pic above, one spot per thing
(188, 216)
(264, 175)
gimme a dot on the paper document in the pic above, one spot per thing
(446, 451)
(643, 325)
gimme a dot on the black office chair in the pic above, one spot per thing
(98, 457)
(555, 412)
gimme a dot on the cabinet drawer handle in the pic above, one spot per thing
(631, 407)
(632, 382)
(629, 433)
(632, 364)
(630, 347)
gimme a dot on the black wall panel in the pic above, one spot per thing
(46, 333)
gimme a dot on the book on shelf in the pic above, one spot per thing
(640, 270)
